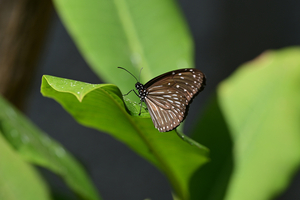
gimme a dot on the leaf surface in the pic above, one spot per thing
(128, 33)
(18, 179)
(261, 104)
(102, 108)
(252, 129)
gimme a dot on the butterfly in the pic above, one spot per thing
(169, 95)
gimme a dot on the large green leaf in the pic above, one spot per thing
(252, 130)
(261, 104)
(101, 107)
(36, 147)
(128, 33)
(18, 179)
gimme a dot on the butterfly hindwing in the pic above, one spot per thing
(169, 95)
(166, 113)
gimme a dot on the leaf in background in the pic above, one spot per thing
(36, 147)
(258, 110)
(128, 33)
(101, 107)
(19, 180)
(261, 104)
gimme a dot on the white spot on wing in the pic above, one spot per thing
(156, 92)
(156, 86)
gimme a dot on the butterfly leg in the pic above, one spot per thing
(141, 102)
(141, 109)
(131, 91)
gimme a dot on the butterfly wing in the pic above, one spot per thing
(169, 96)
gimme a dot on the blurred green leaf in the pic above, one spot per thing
(252, 130)
(101, 107)
(128, 33)
(18, 179)
(36, 147)
(261, 105)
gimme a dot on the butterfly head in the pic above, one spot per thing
(139, 86)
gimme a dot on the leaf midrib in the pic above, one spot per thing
(131, 34)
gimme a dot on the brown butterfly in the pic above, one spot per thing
(169, 95)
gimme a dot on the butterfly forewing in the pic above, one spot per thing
(169, 95)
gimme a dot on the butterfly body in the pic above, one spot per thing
(169, 95)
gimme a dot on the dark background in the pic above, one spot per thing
(226, 34)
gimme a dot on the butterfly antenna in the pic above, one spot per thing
(140, 74)
(129, 73)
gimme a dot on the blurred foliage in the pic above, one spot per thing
(251, 124)
(35, 147)
(252, 129)
(261, 105)
(15, 176)
(128, 33)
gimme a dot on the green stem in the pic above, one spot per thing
(191, 141)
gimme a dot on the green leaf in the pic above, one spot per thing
(102, 107)
(18, 179)
(37, 148)
(252, 130)
(261, 105)
(128, 33)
